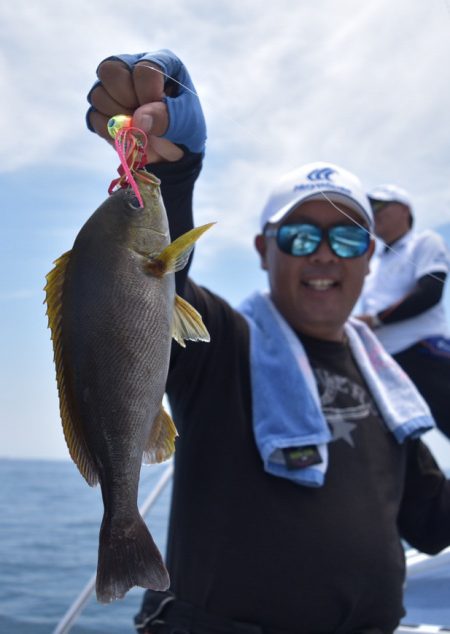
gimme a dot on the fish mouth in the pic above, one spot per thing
(147, 184)
(146, 180)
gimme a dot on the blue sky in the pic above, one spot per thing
(360, 84)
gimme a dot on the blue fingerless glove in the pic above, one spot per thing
(187, 125)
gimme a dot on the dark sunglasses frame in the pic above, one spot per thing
(379, 205)
(286, 238)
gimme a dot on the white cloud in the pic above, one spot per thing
(357, 83)
(361, 84)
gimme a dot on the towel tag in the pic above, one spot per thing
(301, 457)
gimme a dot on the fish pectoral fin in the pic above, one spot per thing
(161, 441)
(187, 323)
(72, 427)
(175, 256)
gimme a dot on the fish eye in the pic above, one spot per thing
(134, 203)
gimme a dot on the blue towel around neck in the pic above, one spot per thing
(286, 405)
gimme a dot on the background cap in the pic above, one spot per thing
(316, 181)
(391, 194)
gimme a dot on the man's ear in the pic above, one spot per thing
(260, 246)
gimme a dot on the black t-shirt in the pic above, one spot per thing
(346, 402)
(261, 549)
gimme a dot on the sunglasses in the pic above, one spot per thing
(379, 205)
(345, 241)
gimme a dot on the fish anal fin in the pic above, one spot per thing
(161, 441)
(72, 427)
(187, 323)
(175, 256)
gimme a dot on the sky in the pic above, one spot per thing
(364, 85)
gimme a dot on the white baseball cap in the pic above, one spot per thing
(316, 181)
(391, 194)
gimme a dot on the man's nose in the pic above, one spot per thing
(324, 254)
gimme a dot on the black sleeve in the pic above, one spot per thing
(427, 292)
(424, 518)
(177, 187)
(205, 364)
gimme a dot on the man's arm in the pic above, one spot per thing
(431, 261)
(156, 89)
(177, 185)
(424, 518)
(426, 294)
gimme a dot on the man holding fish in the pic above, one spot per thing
(298, 466)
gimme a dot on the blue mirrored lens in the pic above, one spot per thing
(348, 241)
(301, 239)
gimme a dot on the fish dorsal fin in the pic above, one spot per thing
(161, 441)
(187, 323)
(72, 427)
(175, 256)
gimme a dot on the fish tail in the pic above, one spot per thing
(127, 557)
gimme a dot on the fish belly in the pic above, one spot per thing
(119, 335)
(117, 331)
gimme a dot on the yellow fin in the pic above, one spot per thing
(175, 256)
(187, 323)
(161, 441)
(72, 427)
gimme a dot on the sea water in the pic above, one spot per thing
(49, 524)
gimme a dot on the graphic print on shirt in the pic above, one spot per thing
(345, 404)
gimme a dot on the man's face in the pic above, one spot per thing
(315, 293)
(392, 222)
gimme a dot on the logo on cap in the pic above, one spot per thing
(325, 173)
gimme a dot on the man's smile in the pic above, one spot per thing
(320, 284)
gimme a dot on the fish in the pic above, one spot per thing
(112, 311)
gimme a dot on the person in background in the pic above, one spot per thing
(298, 466)
(402, 298)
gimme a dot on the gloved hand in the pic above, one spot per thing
(156, 89)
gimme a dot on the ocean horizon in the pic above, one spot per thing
(49, 524)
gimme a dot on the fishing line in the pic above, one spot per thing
(229, 117)
(375, 237)
(372, 235)
(161, 72)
